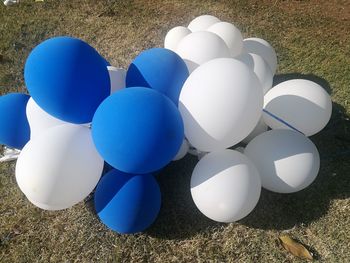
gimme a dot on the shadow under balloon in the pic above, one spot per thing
(180, 219)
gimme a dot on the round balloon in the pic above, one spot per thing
(262, 48)
(39, 120)
(260, 68)
(14, 126)
(160, 69)
(287, 160)
(137, 130)
(225, 186)
(200, 47)
(202, 22)
(298, 104)
(117, 78)
(182, 151)
(60, 167)
(231, 35)
(127, 203)
(174, 36)
(67, 78)
(220, 103)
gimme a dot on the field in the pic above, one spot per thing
(312, 40)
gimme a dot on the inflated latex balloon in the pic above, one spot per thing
(220, 103)
(298, 104)
(39, 120)
(201, 23)
(230, 34)
(117, 78)
(185, 146)
(67, 78)
(14, 126)
(127, 203)
(225, 186)
(137, 130)
(200, 47)
(174, 36)
(160, 69)
(259, 129)
(60, 167)
(262, 48)
(286, 160)
(260, 68)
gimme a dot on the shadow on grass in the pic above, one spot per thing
(180, 219)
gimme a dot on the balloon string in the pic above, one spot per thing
(282, 121)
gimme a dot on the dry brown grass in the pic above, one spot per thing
(312, 41)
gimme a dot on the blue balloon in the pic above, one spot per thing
(67, 78)
(14, 126)
(137, 130)
(127, 203)
(160, 69)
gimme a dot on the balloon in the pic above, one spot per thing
(298, 104)
(260, 68)
(201, 23)
(174, 36)
(220, 103)
(259, 129)
(182, 151)
(262, 48)
(59, 168)
(201, 47)
(117, 78)
(127, 203)
(39, 120)
(287, 160)
(160, 69)
(137, 130)
(225, 186)
(67, 78)
(14, 127)
(230, 34)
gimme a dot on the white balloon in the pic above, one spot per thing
(260, 68)
(220, 103)
(60, 167)
(201, 23)
(260, 128)
(262, 48)
(48, 207)
(117, 78)
(225, 186)
(200, 47)
(39, 120)
(231, 36)
(182, 151)
(287, 160)
(301, 104)
(174, 36)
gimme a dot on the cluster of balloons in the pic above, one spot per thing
(227, 99)
(206, 91)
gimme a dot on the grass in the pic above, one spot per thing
(312, 41)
